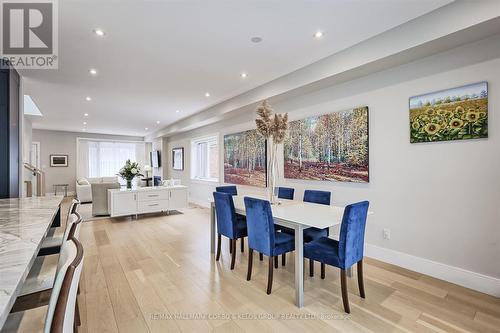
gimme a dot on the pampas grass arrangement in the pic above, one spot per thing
(274, 128)
(271, 127)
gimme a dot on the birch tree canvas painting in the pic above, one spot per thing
(245, 159)
(329, 147)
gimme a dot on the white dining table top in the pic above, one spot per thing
(294, 211)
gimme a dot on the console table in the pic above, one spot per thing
(141, 200)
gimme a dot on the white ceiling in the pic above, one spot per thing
(161, 56)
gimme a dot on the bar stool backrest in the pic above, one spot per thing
(61, 309)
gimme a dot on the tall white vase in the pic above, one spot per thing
(272, 172)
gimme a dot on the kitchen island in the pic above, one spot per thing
(24, 224)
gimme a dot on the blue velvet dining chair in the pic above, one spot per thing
(310, 234)
(229, 224)
(286, 193)
(231, 189)
(345, 252)
(264, 238)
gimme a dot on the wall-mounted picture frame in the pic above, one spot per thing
(58, 160)
(459, 113)
(245, 159)
(329, 147)
(178, 159)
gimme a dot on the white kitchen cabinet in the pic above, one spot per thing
(144, 200)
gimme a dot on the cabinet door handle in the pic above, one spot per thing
(152, 205)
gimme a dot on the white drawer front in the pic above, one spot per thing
(152, 195)
(152, 206)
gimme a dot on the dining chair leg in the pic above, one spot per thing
(343, 285)
(283, 259)
(261, 256)
(361, 283)
(311, 267)
(323, 270)
(270, 276)
(219, 238)
(78, 322)
(230, 245)
(276, 262)
(233, 252)
(250, 263)
(242, 244)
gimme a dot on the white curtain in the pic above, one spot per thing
(100, 158)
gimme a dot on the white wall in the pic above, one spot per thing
(59, 142)
(440, 200)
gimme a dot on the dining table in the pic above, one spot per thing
(24, 224)
(297, 215)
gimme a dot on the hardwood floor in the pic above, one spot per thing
(155, 274)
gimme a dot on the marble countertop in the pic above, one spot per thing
(24, 223)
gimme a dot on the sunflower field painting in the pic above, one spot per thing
(455, 114)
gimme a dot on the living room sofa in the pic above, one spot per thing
(84, 189)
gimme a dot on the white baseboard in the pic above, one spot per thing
(476, 281)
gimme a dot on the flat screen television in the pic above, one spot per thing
(155, 159)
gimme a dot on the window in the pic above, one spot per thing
(99, 158)
(205, 158)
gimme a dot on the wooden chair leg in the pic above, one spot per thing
(230, 245)
(78, 322)
(361, 283)
(283, 259)
(242, 244)
(311, 267)
(276, 262)
(261, 256)
(217, 257)
(250, 263)
(233, 252)
(323, 270)
(343, 285)
(270, 276)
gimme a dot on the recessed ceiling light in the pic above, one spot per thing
(85, 114)
(207, 94)
(146, 128)
(243, 75)
(93, 71)
(318, 34)
(157, 122)
(85, 123)
(177, 111)
(256, 39)
(99, 32)
(88, 98)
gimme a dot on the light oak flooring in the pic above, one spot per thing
(155, 274)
